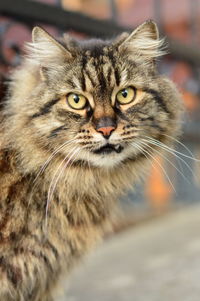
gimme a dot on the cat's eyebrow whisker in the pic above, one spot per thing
(53, 184)
(163, 156)
(145, 152)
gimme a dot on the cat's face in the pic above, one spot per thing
(99, 101)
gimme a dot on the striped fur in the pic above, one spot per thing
(57, 189)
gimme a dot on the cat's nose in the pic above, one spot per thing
(105, 125)
(106, 131)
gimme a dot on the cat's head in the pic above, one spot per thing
(97, 101)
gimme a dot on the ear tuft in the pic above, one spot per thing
(37, 33)
(149, 27)
(45, 50)
(144, 41)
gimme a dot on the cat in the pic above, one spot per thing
(79, 126)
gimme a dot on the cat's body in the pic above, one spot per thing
(52, 214)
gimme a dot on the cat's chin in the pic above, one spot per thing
(106, 160)
(106, 157)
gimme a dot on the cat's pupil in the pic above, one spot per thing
(76, 98)
(124, 93)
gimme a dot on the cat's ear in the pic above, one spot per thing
(45, 50)
(144, 41)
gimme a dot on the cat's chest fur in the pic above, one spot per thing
(51, 239)
(58, 227)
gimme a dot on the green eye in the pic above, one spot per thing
(76, 101)
(126, 95)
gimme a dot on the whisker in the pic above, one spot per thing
(163, 156)
(71, 161)
(155, 160)
(88, 161)
(53, 155)
(167, 147)
(67, 143)
(57, 170)
(182, 144)
(53, 184)
(171, 151)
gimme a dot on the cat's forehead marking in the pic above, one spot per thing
(99, 70)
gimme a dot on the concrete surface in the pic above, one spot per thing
(156, 261)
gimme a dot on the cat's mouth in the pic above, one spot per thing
(109, 148)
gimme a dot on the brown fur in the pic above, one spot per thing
(50, 218)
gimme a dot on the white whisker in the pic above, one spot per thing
(53, 155)
(53, 184)
(89, 165)
(171, 151)
(167, 147)
(163, 156)
(182, 144)
(55, 152)
(155, 160)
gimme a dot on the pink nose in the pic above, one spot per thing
(106, 131)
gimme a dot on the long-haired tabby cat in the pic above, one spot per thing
(80, 123)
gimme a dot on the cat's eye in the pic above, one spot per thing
(126, 96)
(76, 101)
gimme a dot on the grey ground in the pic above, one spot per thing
(156, 261)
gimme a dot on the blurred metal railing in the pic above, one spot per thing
(30, 13)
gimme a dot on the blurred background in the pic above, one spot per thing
(161, 260)
(172, 182)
